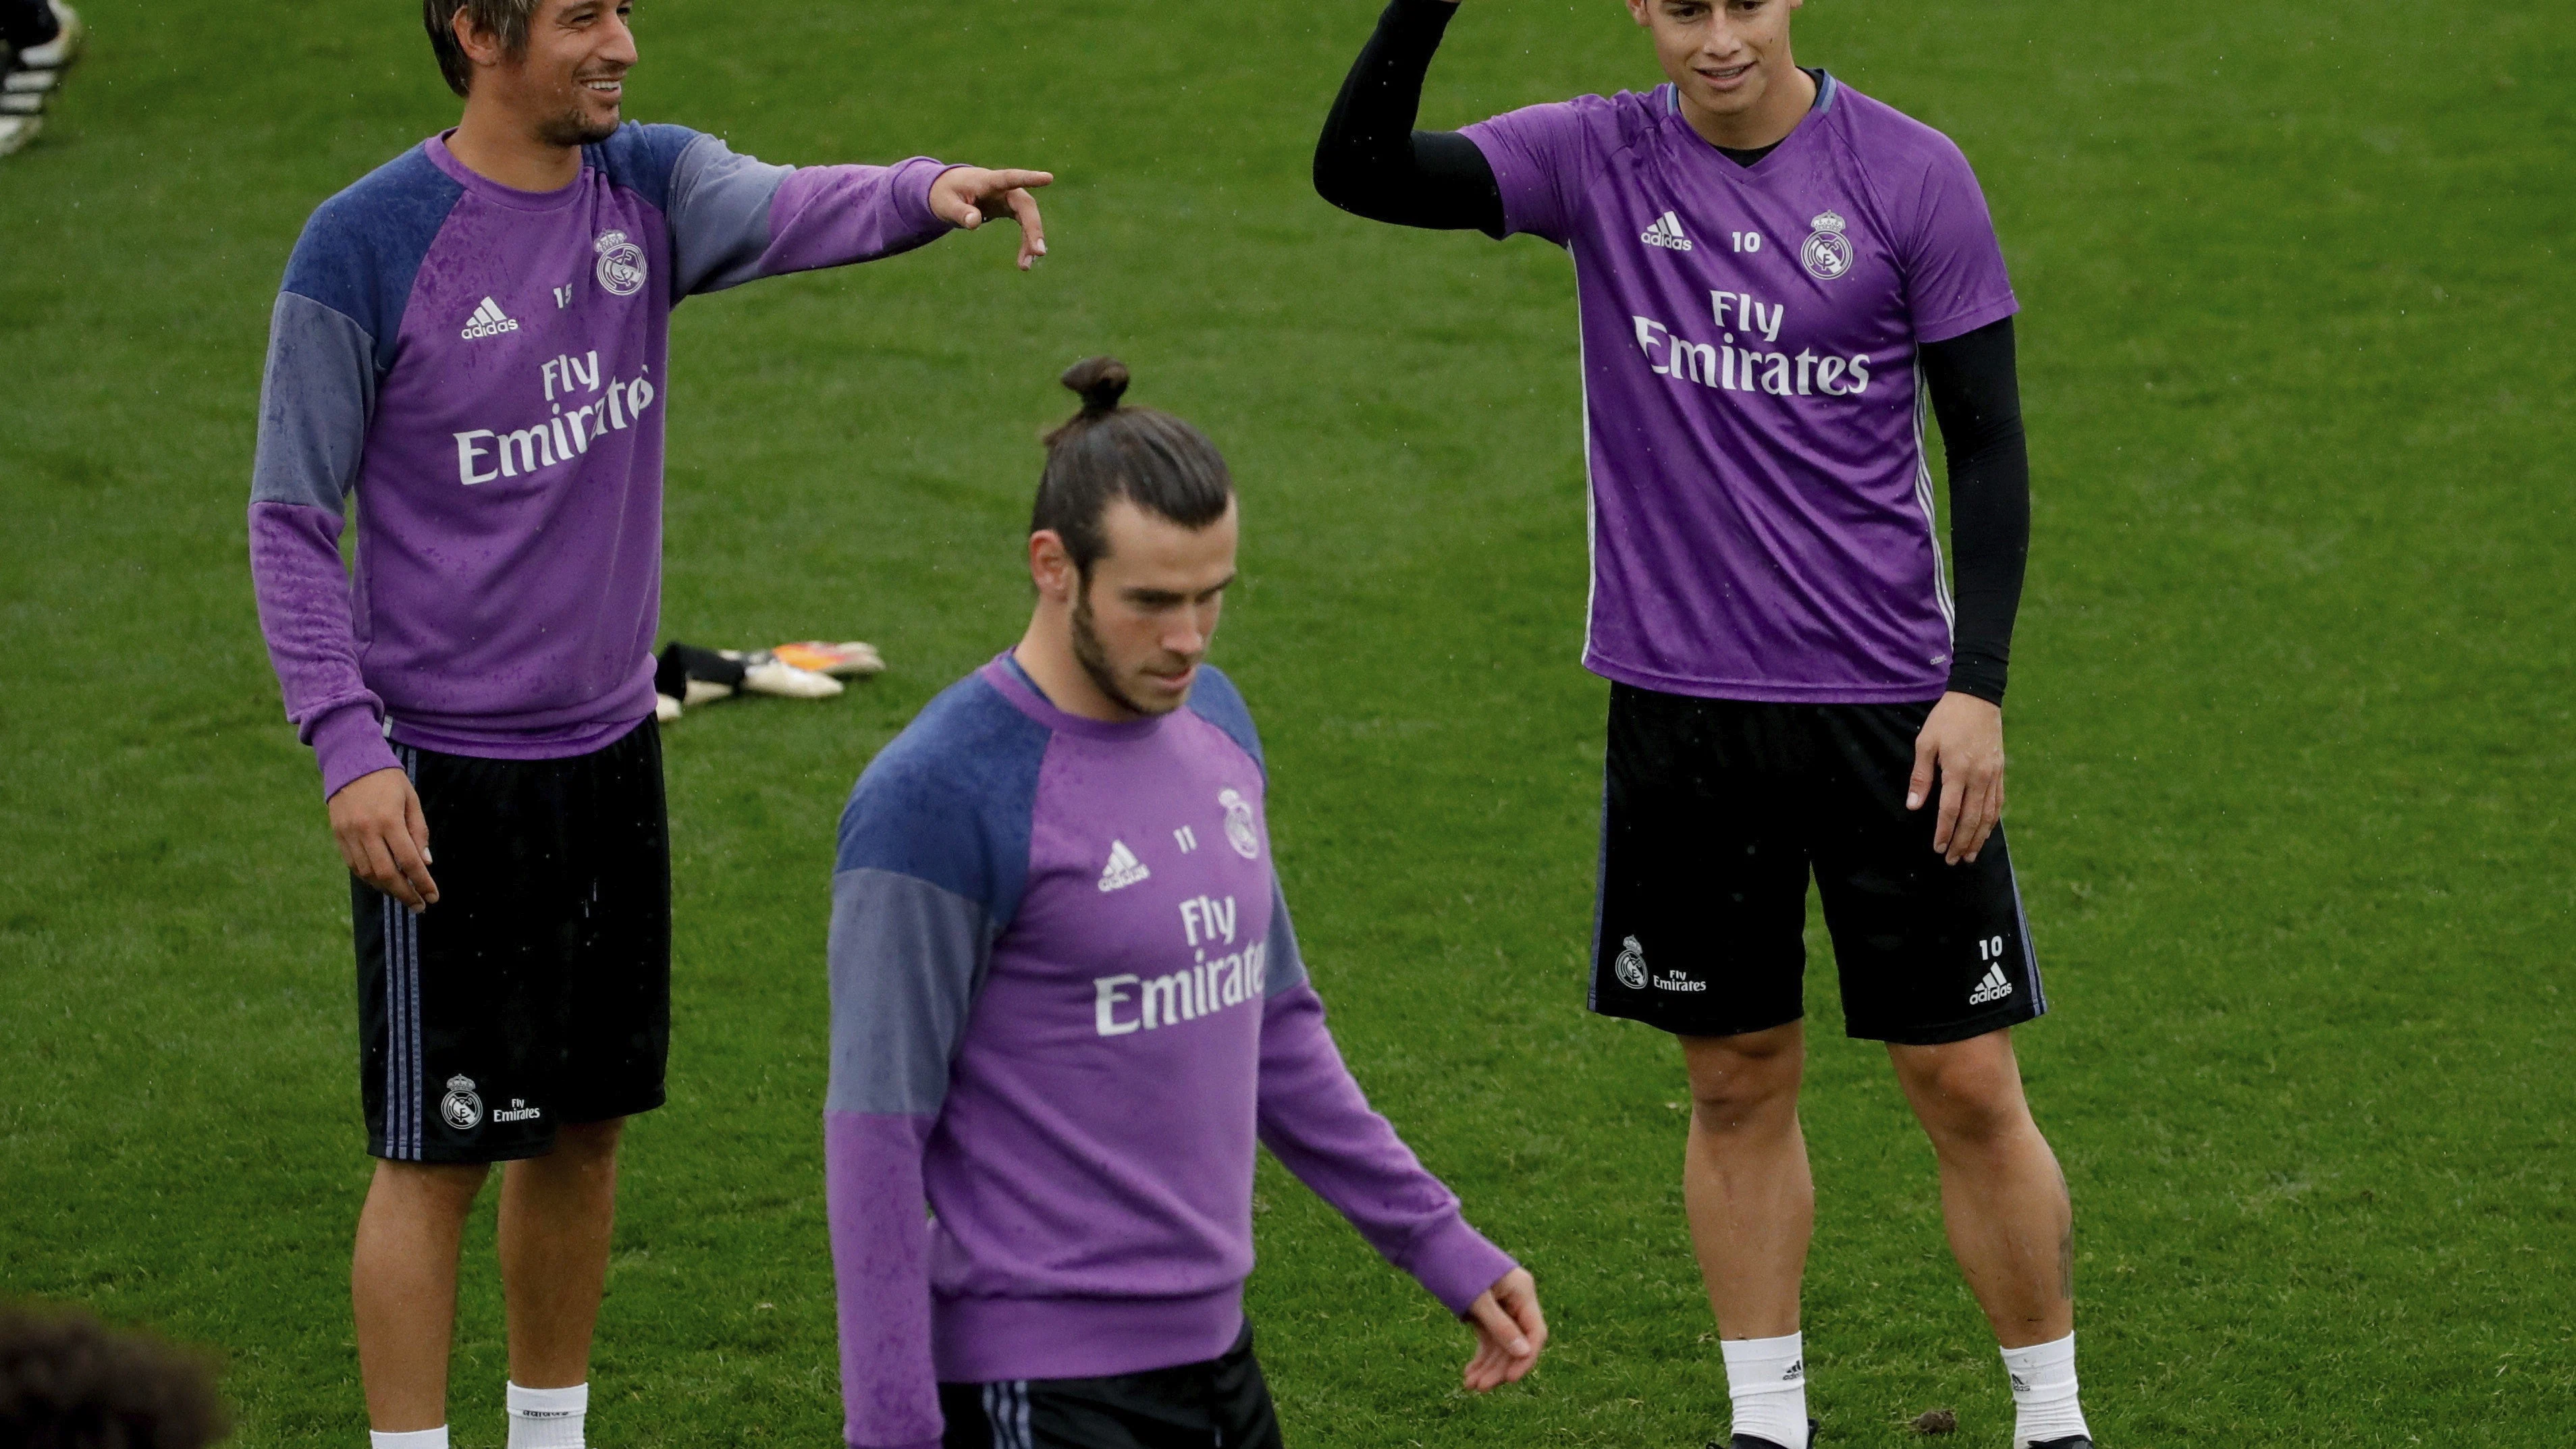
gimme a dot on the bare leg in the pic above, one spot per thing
(1744, 1177)
(402, 1282)
(556, 1215)
(2002, 1196)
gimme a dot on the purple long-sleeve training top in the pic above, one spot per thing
(484, 369)
(1066, 1002)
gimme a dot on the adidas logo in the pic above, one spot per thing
(487, 321)
(1993, 987)
(1123, 869)
(1666, 233)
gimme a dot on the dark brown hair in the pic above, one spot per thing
(68, 1381)
(1150, 458)
(506, 19)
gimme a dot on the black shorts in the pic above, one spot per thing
(1220, 1404)
(538, 989)
(1714, 813)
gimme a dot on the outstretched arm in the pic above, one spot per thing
(1976, 393)
(735, 218)
(1371, 162)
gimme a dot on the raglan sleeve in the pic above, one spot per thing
(317, 395)
(914, 910)
(735, 219)
(1955, 281)
(1316, 1121)
(1540, 156)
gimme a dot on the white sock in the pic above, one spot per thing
(547, 1418)
(2043, 1390)
(1767, 1379)
(415, 1439)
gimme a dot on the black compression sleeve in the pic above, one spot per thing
(1370, 160)
(1977, 396)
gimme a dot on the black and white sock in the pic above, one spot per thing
(548, 1418)
(2043, 1390)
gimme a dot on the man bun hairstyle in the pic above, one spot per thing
(505, 19)
(1108, 451)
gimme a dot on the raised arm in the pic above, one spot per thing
(1371, 162)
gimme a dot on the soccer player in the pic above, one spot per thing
(473, 342)
(1066, 1000)
(1776, 274)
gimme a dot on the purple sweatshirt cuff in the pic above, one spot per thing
(350, 743)
(1458, 1265)
(913, 178)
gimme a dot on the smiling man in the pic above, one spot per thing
(1775, 275)
(472, 341)
(1066, 1002)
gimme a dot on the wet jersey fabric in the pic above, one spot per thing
(485, 371)
(1066, 1003)
(1761, 521)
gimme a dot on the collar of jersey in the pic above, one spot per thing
(493, 191)
(1827, 88)
(1007, 677)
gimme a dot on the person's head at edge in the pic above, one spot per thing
(67, 1381)
(553, 70)
(1131, 546)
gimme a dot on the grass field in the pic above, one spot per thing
(2291, 717)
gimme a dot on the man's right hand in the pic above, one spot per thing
(384, 837)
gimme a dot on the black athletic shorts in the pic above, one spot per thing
(1220, 1404)
(538, 989)
(1714, 813)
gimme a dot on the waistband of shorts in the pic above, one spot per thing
(995, 1340)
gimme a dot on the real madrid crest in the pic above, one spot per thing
(1238, 824)
(1631, 964)
(621, 264)
(462, 1109)
(1828, 253)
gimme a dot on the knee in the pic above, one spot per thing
(444, 1188)
(589, 1141)
(1737, 1079)
(1966, 1098)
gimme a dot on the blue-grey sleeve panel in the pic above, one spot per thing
(641, 158)
(908, 960)
(331, 334)
(1284, 966)
(720, 216)
(1214, 698)
(362, 249)
(934, 856)
(715, 202)
(316, 397)
(949, 801)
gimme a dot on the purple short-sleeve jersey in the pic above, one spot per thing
(1761, 508)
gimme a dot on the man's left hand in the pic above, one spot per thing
(1509, 1332)
(969, 196)
(1964, 741)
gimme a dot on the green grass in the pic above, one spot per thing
(2291, 718)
